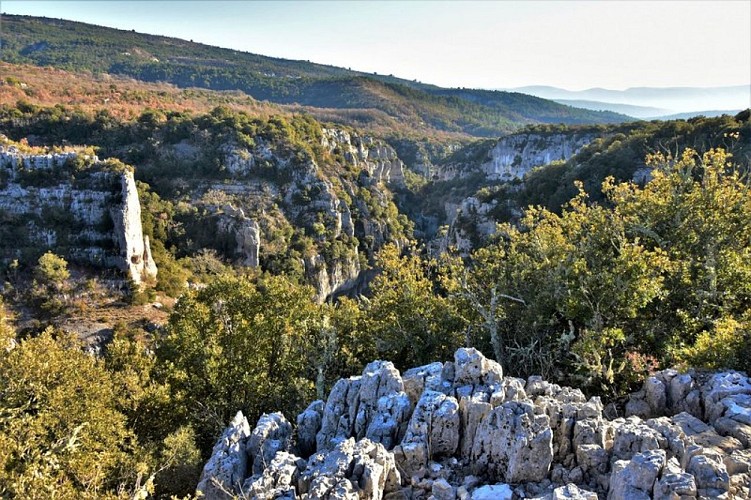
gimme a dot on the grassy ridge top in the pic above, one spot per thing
(78, 46)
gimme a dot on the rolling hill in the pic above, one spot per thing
(77, 46)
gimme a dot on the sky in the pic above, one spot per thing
(484, 44)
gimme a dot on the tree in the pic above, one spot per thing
(697, 209)
(239, 345)
(51, 283)
(556, 281)
(60, 431)
(602, 292)
(7, 335)
(52, 270)
(409, 319)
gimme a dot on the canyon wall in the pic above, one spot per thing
(88, 212)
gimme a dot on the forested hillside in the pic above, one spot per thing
(76, 46)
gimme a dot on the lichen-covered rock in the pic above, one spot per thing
(548, 441)
(225, 471)
(493, 492)
(722, 391)
(473, 410)
(278, 479)
(433, 430)
(513, 444)
(571, 492)
(666, 393)
(633, 436)
(428, 377)
(635, 479)
(308, 425)
(442, 490)
(352, 470)
(472, 368)
(373, 405)
(389, 421)
(339, 414)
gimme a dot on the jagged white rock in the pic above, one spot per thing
(226, 469)
(517, 438)
(103, 197)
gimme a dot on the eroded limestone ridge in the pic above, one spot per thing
(77, 205)
(461, 430)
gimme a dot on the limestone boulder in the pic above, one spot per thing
(352, 470)
(635, 479)
(225, 472)
(513, 444)
(271, 434)
(278, 479)
(308, 424)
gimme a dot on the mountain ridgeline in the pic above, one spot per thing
(77, 46)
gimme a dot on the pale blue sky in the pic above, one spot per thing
(486, 44)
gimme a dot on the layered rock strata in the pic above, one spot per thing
(377, 157)
(461, 430)
(93, 214)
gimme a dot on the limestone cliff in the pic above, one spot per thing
(90, 213)
(516, 154)
(321, 209)
(468, 219)
(463, 430)
(380, 159)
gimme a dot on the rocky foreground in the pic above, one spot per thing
(461, 430)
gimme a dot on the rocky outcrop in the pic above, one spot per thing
(461, 430)
(93, 212)
(226, 469)
(331, 206)
(515, 155)
(246, 232)
(128, 233)
(380, 159)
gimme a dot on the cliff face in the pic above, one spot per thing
(90, 215)
(460, 430)
(469, 220)
(515, 155)
(380, 159)
(328, 211)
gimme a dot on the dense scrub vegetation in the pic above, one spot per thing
(605, 282)
(620, 152)
(606, 277)
(76, 46)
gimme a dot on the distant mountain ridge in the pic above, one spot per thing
(667, 101)
(642, 112)
(78, 46)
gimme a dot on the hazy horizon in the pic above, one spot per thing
(571, 45)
